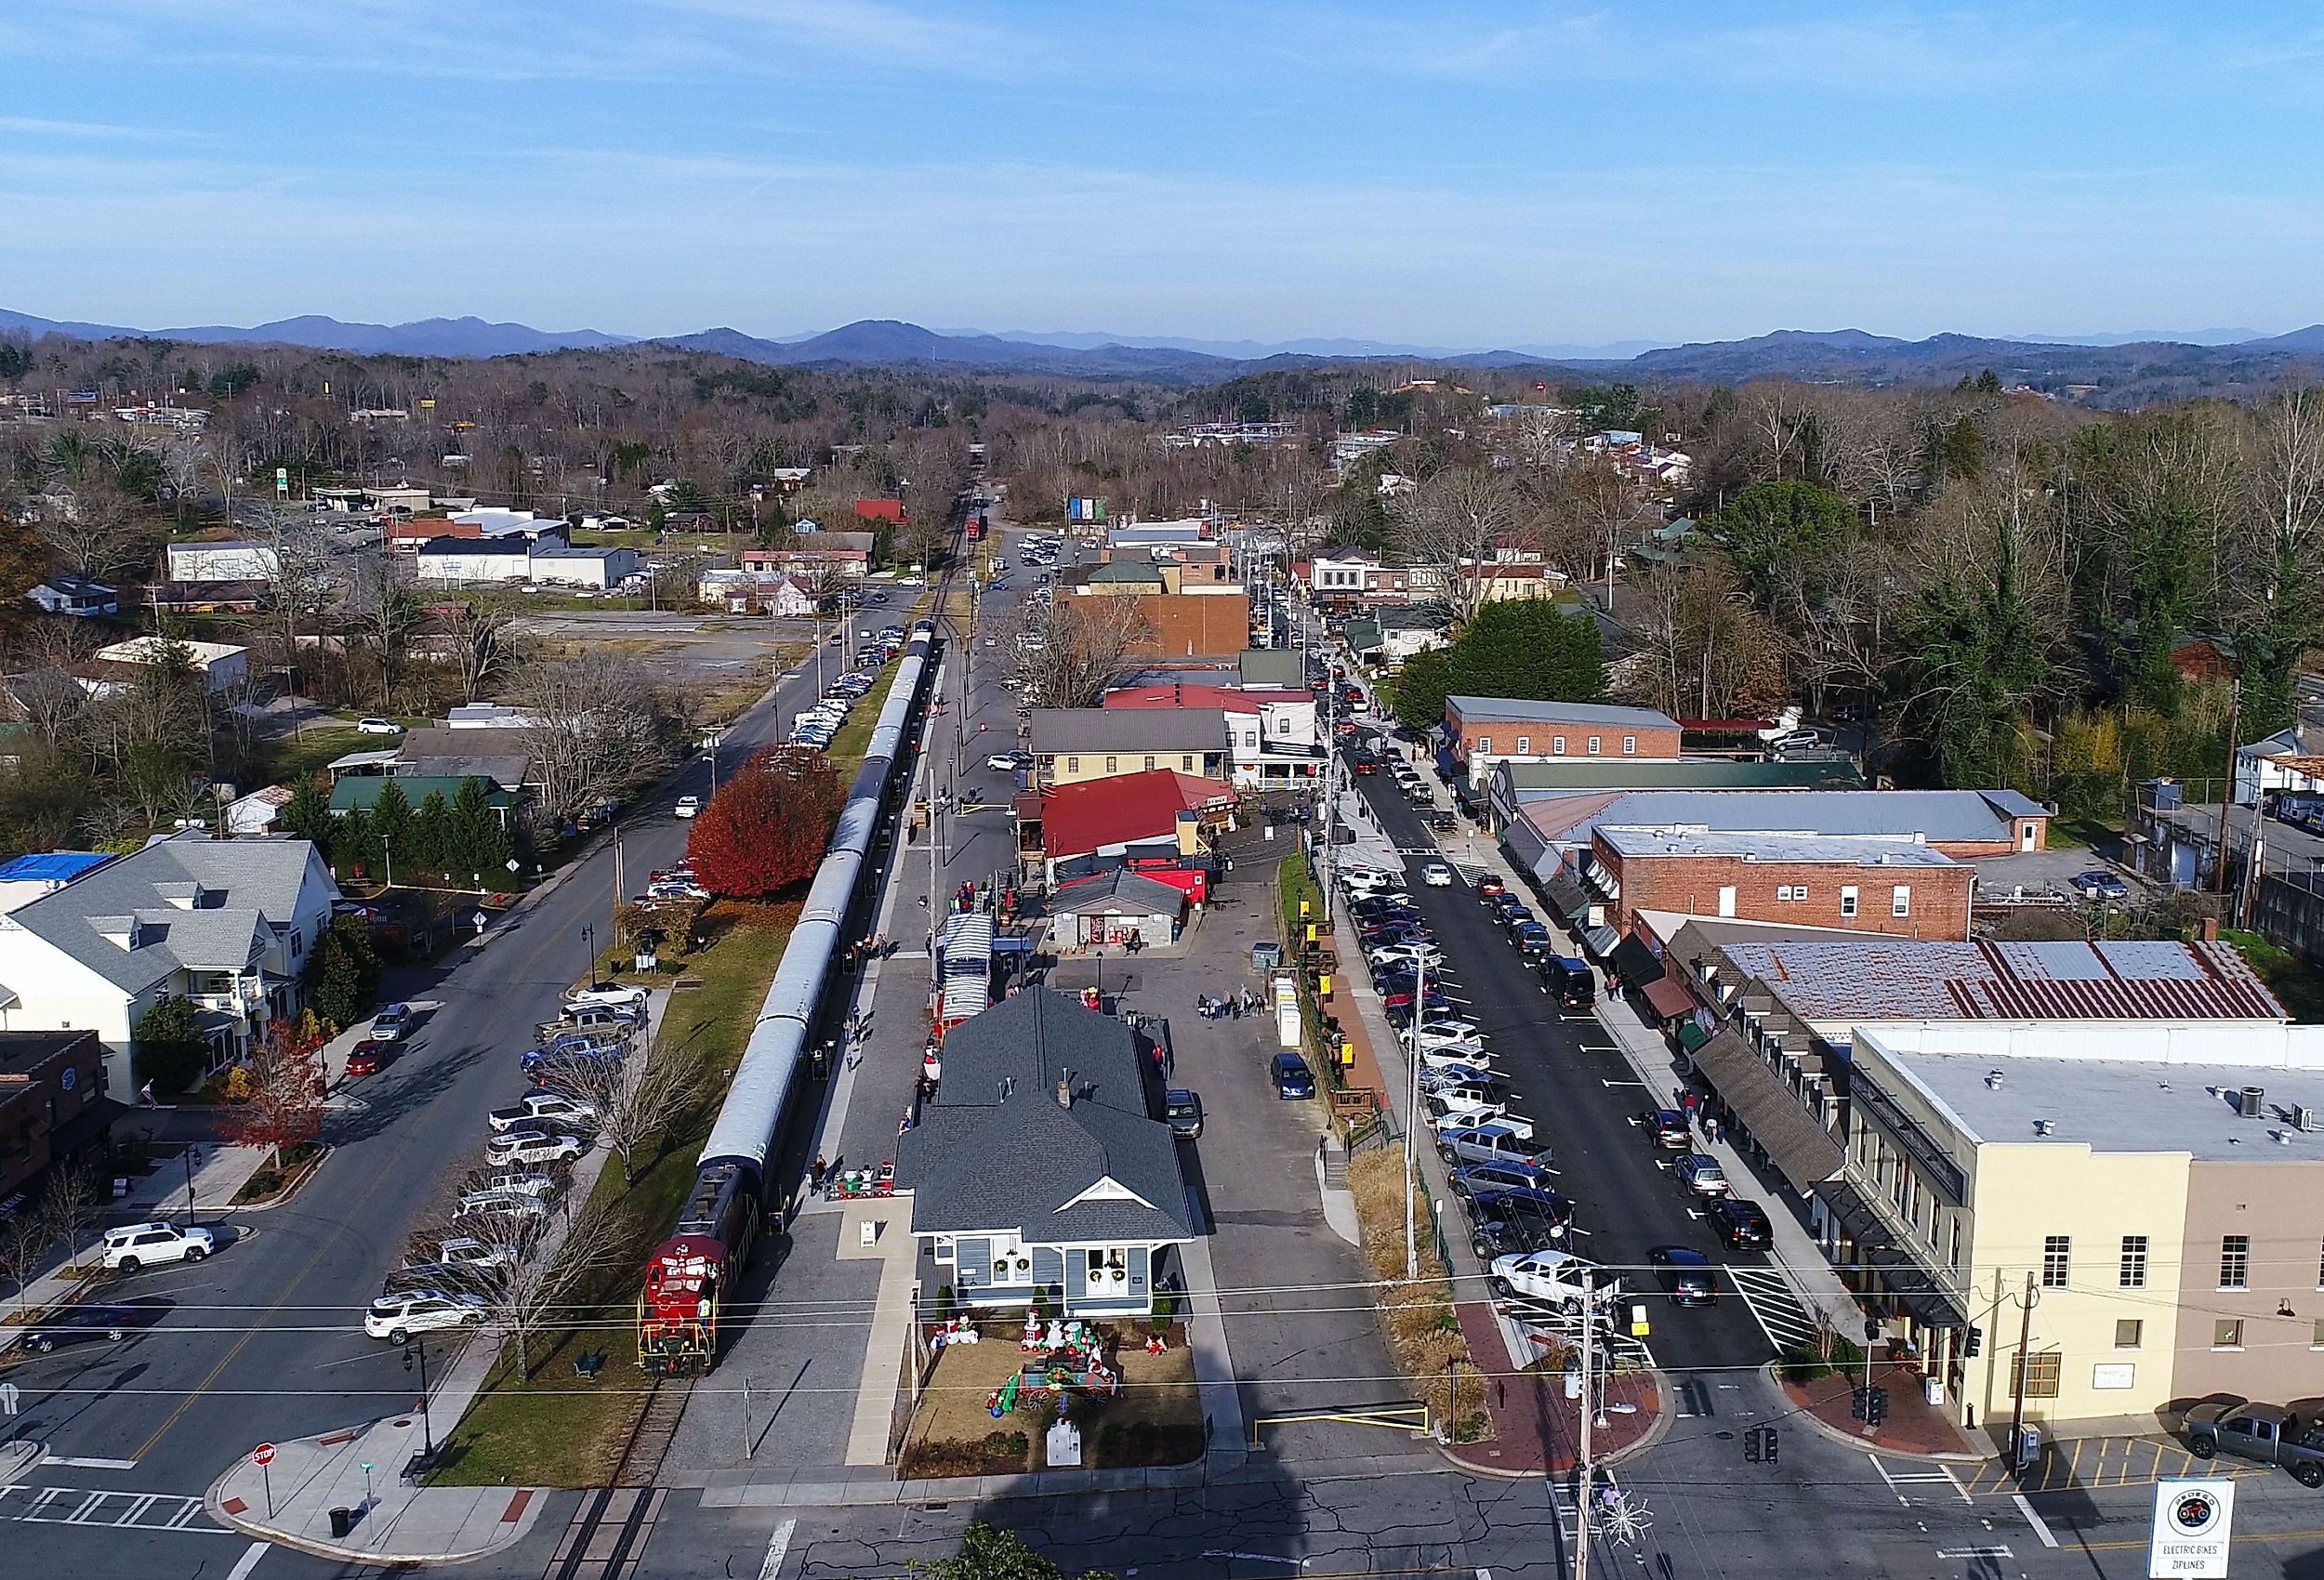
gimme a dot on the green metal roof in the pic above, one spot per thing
(364, 790)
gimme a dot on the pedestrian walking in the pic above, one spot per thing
(816, 1171)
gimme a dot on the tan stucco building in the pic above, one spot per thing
(2155, 1190)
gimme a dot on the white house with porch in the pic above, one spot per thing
(227, 923)
(1041, 1167)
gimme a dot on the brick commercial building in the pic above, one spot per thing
(52, 1101)
(1874, 886)
(1482, 732)
(1194, 625)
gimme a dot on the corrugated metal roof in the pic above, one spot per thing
(1941, 817)
(1869, 979)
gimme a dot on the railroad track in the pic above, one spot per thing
(649, 1439)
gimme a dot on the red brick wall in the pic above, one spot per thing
(1196, 625)
(1653, 743)
(1691, 884)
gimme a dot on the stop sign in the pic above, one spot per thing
(262, 1455)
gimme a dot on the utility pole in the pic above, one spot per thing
(2228, 795)
(1412, 1121)
(1587, 1471)
(2017, 1384)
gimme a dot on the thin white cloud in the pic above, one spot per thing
(30, 125)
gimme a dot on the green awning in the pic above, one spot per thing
(1691, 1036)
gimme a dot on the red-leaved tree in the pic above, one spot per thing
(284, 1105)
(766, 826)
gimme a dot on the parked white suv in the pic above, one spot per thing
(147, 1245)
(396, 1317)
(1550, 1278)
(530, 1144)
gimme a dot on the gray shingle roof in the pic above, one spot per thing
(1473, 709)
(248, 887)
(994, 1150)
(1059, 729)
(1529, 781)
(1123, 889)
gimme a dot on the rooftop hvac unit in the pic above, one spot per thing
(2305, 1118)
(2250, 1103)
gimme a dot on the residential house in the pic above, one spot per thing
(77, 595)
(1271, 735)
(1073, 744)
(456, 754)
(2277, 763)
(1092, 1202)
(1390, 635)
(891, 510)
(221, 665)
(1482, 732)
(227, 923)
(364, 790)
(259, 811)
(844, 554)
(753, 592)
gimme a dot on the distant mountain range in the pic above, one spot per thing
(2124, 370)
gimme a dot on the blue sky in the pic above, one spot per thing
(1458, 174)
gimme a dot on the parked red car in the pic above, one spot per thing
(367, 1058)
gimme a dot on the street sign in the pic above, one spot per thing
(262, 1455)
(8, 1396)
(2192, 1514)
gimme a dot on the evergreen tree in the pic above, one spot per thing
(167, 1049)
(430, 828)
(308, 816)
(343, 973)
(391, 825)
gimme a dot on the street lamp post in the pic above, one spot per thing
(427, 1428)
(589, 946)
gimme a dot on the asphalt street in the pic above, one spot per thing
(264, 1340)
(1565, 1074)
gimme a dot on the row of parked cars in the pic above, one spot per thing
(576, 1065)
(818, 725)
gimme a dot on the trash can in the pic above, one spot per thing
(342, 1521)
(1266, 957)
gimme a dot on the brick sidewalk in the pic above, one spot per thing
(1536, 1427)
(1913, 1425)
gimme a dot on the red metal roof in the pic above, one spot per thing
(1078, 819)
(1183, 693)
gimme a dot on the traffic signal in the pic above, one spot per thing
(1750, 1446)
(1767, 1448)
(1875, 1406)
(1859, 1403)
(1973, 1343)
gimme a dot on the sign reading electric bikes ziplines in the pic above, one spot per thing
(2190, 1538)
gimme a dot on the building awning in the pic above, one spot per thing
(90, 1125)
(1691, 1036)
(1800, 1148)
(1598, 942)
(1668, 996)
(1905, 1284)
(1637, 963)
(1566, 895)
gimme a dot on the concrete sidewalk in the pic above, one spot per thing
(360, 1470)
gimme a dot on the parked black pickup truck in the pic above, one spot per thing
(2264, 1432)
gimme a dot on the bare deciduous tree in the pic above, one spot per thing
(481, 626)
(25, 1236)
(1067, 654)
(598, 727)
(1456, 526)
(533, 1296)
(384, 611)
(636, 1097)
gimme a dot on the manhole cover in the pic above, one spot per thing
(1724, 1437)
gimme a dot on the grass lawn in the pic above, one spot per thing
(854, 737)
(1156, 1418)
(557, 1430)
(1295, 885)
(2299, 985)
(286, 760)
